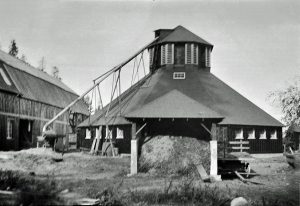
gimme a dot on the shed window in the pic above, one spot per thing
(239, 134)
(263, 134)
(207, 56)
(87, 134)
(167, 54)
(9, 129)
(273, 134)
(4, 77)
(251, 134)
(120, 133)
(179, 75)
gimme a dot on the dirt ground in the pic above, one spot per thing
(86, 176)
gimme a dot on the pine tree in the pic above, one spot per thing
(13, 49)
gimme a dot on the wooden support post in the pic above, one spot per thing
(134, 151)
(213, 131)
(98, 137)
(214, 154)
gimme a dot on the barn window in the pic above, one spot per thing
(179, 75)
(263, 134)
(87, 134)
(4, 77)
(167, 54)
(273, 134)
(251, 134)
(207, 56)
(120, 133)
(191, 54)
(9, 131)
(239, 134)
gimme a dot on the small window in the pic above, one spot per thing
(263, 134)
(5, 78)
(251, 134)
(87, 134)
(273, 134)
(9, 131)
(239, 134)
(120, 133)
(179, 75)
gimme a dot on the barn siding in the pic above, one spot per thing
(258, 145)
(122, 144)
(14, 107)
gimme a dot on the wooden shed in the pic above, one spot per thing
(181, 97)
(28, 99)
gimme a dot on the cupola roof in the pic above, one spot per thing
(181, 34)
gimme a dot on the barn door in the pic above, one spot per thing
(25, 133)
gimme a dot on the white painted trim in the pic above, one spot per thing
(185, 53)
(192, 53)
(172, 53)
(166, 53)
(5, 78)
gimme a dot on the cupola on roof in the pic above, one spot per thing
(181, 34)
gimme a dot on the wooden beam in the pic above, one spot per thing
(206, 128)
(241, 142)
(141, 129)
(133, 131)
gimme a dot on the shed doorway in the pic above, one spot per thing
(25, 133)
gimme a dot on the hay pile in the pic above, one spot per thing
(173, 155)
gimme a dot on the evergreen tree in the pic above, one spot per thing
(13, 49)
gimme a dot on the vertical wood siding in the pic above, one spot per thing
(35, 111)
(257, 145)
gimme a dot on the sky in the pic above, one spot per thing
(256, 43)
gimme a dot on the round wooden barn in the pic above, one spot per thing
(181, 97)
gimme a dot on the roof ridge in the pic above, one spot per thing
(54, 81)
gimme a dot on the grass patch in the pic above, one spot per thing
(28, 190)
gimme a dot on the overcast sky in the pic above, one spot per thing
(256, 43)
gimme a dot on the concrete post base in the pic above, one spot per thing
(134, 157)
(215, 178)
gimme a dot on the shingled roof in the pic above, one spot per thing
(210, 97)
(36, 85)
(179, 106)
